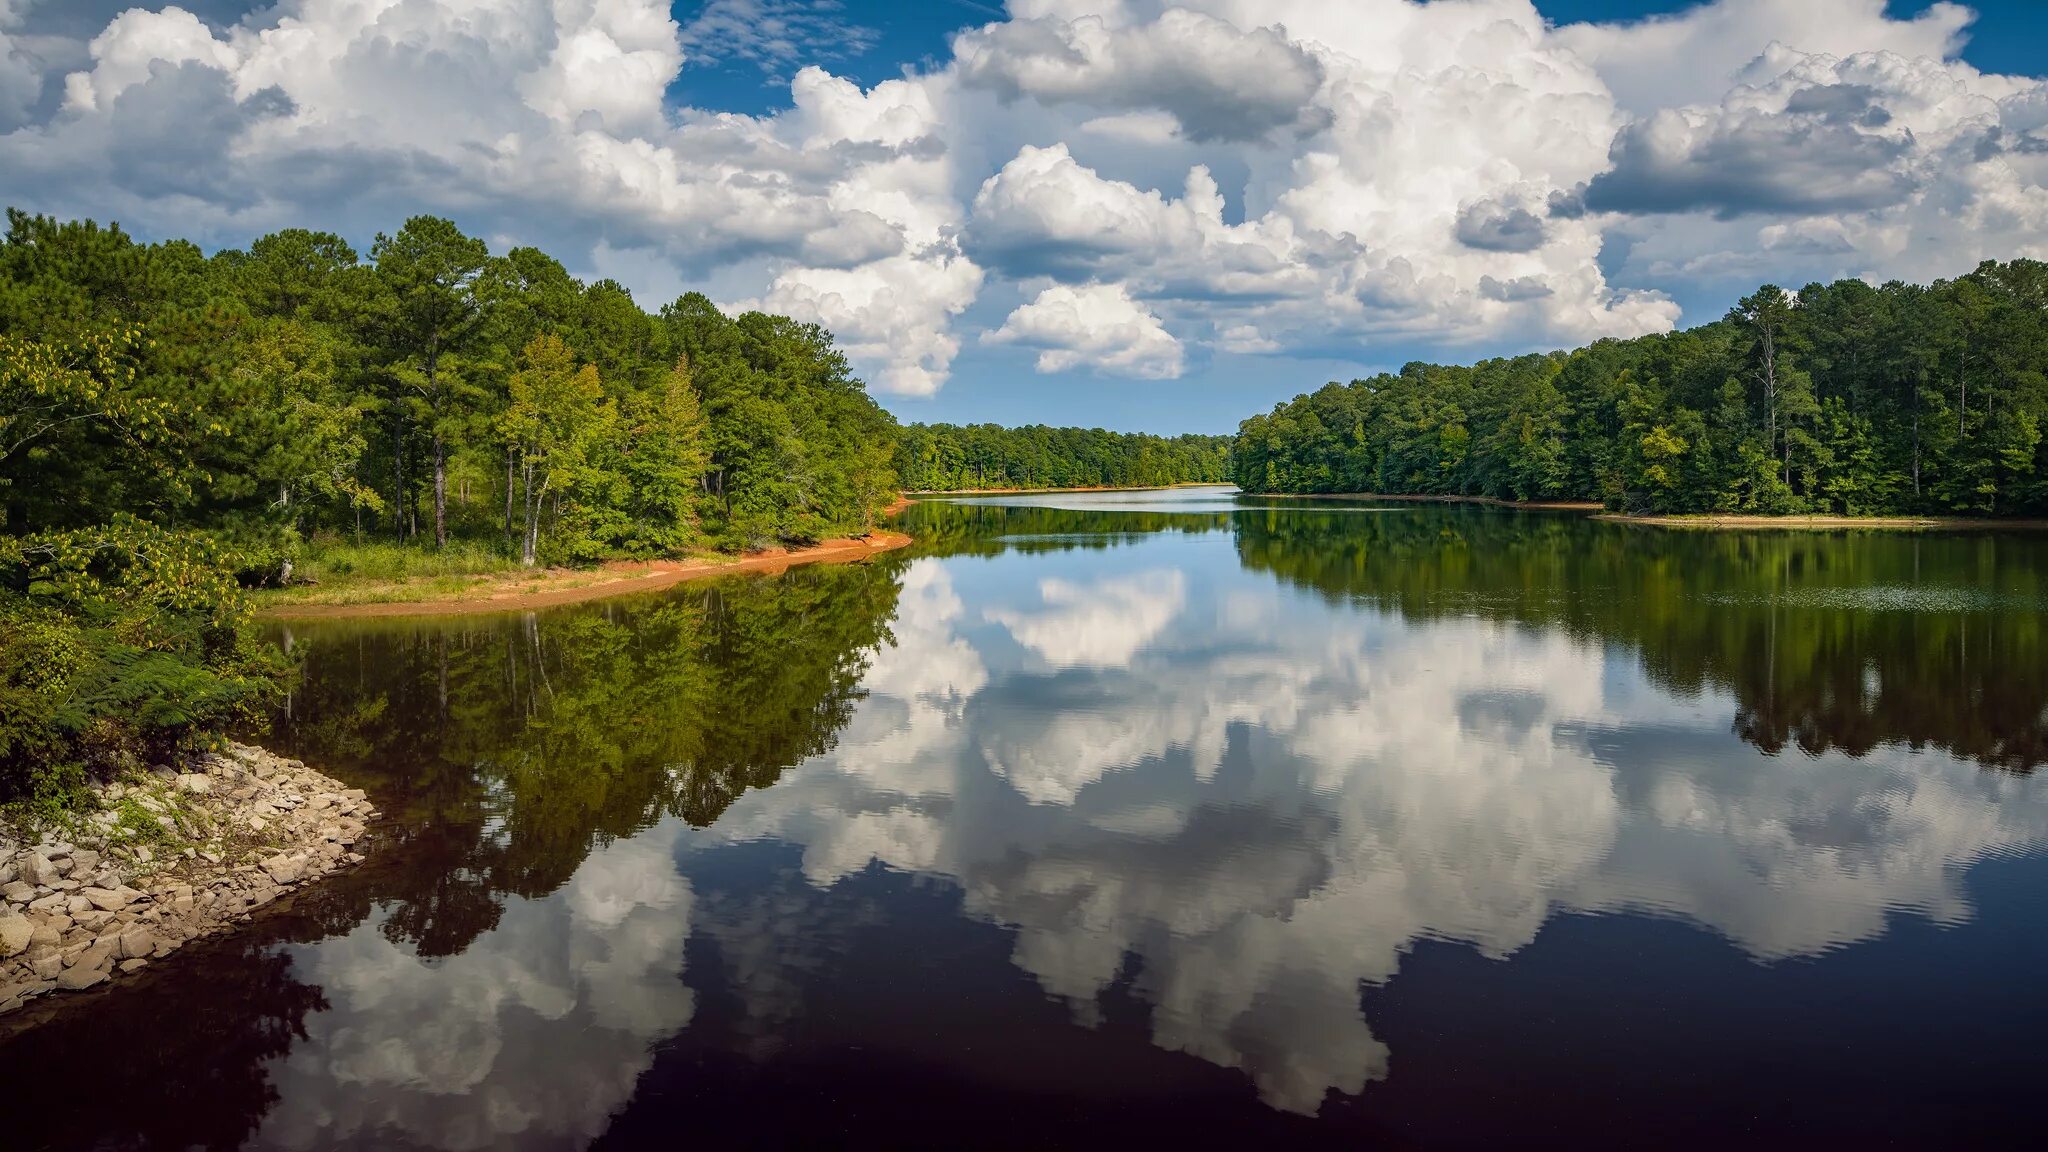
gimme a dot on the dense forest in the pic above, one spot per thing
(976, 457)
(174, 426)
(1842, 398)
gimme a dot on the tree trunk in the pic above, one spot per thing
(531, 538)
(398, 470)
(440, 491)
(508, 495)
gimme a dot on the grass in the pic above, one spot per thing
(343, 563)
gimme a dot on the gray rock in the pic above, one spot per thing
(79, 978)
(195, 783)
(108, 899)
(37, 869)
(15, 934)
(18, 892)
(285, 869)
(137, 943)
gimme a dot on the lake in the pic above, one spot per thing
(1170, 817)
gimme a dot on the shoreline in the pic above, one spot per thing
(1052, 491)
(1714, 521)
(1701, 521)
(171, 856)
(558, 586)
(1488, 501)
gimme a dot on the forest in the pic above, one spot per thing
(978, 457)
(177, 426)
(1841, 398)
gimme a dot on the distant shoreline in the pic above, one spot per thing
(1710, 521)
(1698, 521)
(1524, 505)
(910, 497)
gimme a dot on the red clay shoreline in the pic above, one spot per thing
(631, 577)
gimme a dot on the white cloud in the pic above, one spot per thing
(1097, 325)
(1248, 177)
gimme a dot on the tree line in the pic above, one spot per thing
(1841, 398)
(176, 425)
(430, 391)
(976, 457)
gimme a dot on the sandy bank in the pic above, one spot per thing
(556, 586)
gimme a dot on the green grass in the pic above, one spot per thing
(340, 563)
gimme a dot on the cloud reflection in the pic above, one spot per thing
(532, 1040)
(1261, 816)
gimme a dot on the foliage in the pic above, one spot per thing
(1844, 398)
(117, 643)
(946, 457)
(294, 388)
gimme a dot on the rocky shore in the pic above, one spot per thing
(168, 858)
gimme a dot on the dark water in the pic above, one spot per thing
(1166, 819)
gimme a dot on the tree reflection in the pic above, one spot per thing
(1827, 640)
(506, 748)
(203, 1083)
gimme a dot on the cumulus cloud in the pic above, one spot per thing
(1279, 176)
(1218, 80)
(1097, 325)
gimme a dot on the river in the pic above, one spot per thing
(1173, 817)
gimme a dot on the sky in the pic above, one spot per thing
(1157, 215)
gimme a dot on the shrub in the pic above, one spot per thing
(120, 644)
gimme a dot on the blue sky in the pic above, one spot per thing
(1145, 214)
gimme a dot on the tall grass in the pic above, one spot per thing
(329, 561)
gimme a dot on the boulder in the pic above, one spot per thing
(106, 899)
(195, 783)
(18, 892)
(79, 978)
(15, 934)
(37, 869)
(285, 869)
(137, 943)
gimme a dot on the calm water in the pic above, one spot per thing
(1161, 817)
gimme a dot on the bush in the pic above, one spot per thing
(119, 645)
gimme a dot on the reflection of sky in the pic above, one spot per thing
(531, 1038)
(1262, 801)
(1166, 775)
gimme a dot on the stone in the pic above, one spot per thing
(137, 943)
(15, 934)
(134, 965)
(92, 956)
(195, 784)
(47, 933)
(37, 869)
(48, 965)
(107, 899)
(78, 979)
(18, 892)
(285, 869)
(84, 861)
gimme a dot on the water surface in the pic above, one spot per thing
(1170, 817)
